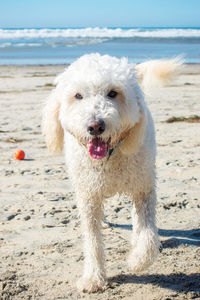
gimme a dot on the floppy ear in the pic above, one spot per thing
(51, 126)
(134, 138)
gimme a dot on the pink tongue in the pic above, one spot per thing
(97, 148)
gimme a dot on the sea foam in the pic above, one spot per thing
(100, 33)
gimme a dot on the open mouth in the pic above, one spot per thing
(97, 148)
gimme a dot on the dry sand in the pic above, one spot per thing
(40, 240)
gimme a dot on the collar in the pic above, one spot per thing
(112, 149)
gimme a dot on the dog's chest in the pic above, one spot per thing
(114, 175)
(118, 174)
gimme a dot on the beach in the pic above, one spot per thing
(40, 236)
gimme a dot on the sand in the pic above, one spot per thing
(40, 240)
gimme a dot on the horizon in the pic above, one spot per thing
(101, 27)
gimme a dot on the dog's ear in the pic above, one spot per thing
(51, 126)
(134, 137)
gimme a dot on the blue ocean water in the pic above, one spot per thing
(63, 45)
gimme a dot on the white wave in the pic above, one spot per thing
(27, 45)
(85, 41)
(5, 45)
(98, 33)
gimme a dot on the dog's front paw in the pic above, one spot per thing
(137, 262)
(144, 253)
(91, 284)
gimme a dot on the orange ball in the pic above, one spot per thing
(19, 154)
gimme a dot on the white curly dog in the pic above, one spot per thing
(98, 112)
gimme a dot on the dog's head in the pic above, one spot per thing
(98, 100)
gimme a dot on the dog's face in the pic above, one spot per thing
(99, 102)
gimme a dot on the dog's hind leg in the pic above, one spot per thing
(145, 241)
(91, 214)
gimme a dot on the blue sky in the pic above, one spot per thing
(81, 13)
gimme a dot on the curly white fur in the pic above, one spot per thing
(131, 167)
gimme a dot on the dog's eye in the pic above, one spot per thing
(112, 94)
(78, 96)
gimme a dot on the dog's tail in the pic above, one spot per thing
(158, 72)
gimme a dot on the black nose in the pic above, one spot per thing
(96, 127)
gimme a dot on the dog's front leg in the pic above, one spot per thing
(91, 214)
(145, 241)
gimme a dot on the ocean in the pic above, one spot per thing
(41, 46)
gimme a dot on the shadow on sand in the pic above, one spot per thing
(176, 237)
(179, 282)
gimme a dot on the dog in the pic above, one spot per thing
(98, 114)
